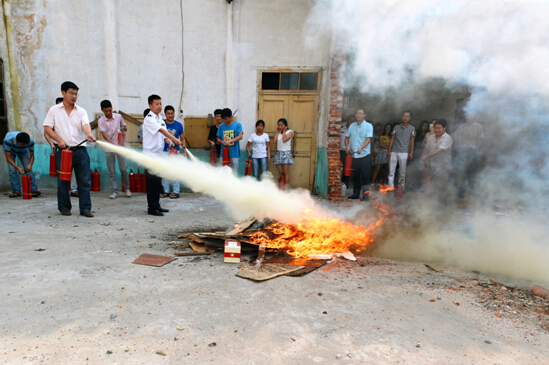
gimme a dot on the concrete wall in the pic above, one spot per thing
(198, 55)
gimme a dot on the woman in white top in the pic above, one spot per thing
(261, 149)
(283, 158)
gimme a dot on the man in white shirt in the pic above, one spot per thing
(467, 144)
(440, 160)
(154, 136)
(72, 127)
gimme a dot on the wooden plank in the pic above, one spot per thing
(242, 226)
(129, 118)
(266, 272)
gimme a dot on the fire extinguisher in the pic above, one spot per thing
(248, 169)
(172, 151)
(53, 170)
(132, 181)
(282, 182)
(26, 182)
(96, 181)
(226, 161)
(213, 156)
(138, 181)
(66, 165)
(144, 183)
(121, 139)
(348, 165)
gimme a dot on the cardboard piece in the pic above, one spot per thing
(266, 272)
(201, 247)
(308, 265)
(153, 260)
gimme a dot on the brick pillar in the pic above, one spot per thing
(337, 73)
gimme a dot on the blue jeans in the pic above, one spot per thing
(256, 163)
(81, 169)
(15, 180)
(166, 186)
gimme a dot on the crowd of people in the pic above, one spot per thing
(429, 156)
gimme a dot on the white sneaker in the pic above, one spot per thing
(128, 193)
(113, 196)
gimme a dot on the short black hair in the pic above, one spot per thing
(350, 115)
(363, 110)
(283, 120)
(153, 97)
(442, 122)
(218, 111)
(168, 107)
(58, 100)
(260, 122)
(68, 85)
(226, 113)
(407, 111)
(106, 104)
(377, 125)
(146, 112)
(22, 138)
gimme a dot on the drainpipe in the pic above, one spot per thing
(229, 61)
(111, 50)
(14, 78)
(181, 110)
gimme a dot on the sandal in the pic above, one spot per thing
(36, 193)
(15, 194)
(174, 196)
(163, 195)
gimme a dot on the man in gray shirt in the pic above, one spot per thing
(401, 148)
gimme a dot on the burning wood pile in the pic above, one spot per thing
(302, 247)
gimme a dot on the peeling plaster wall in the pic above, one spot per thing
(174, 48)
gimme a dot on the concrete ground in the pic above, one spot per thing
(82, 301)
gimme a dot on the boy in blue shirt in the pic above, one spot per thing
(175, 129)
(229, 134)
(20, 144)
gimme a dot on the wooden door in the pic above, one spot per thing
(301, 111)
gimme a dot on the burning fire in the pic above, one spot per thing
(314, 236)
(384, 189)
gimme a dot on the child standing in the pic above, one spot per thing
(261, 148)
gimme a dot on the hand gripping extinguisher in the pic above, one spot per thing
(138, 181)
(26, 182)
(96, 181)
(248, 169)
(348, 165)
(53, 170)
(226, 161)
(282, 182)
(213, 156)
(132, 181)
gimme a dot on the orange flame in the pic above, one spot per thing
(319, 235)
(384, 189)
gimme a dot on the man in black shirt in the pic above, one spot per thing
(212, 137)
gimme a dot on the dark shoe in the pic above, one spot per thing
(354, 196)
(36, 194)
(75, 193)
(87, 214)
(66, 212)
(163, 210)
(15, 194)
(155, 212)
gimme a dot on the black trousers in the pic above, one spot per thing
(344, 179)
(361, 173)
(154, 187)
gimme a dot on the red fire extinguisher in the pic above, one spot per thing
(138, 181)
(53, 170)
(213, 156)
(144, 182)
(132, 181)
(96, 181)
(348, 165)
(248, 169)
(172, 151)
(121, 139)
(26, 182)
(226, 161)
(282, 182)
(66, 165)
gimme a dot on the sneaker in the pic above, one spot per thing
(87, 214)
(113, 196)
(66, 212)
(128, 193)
